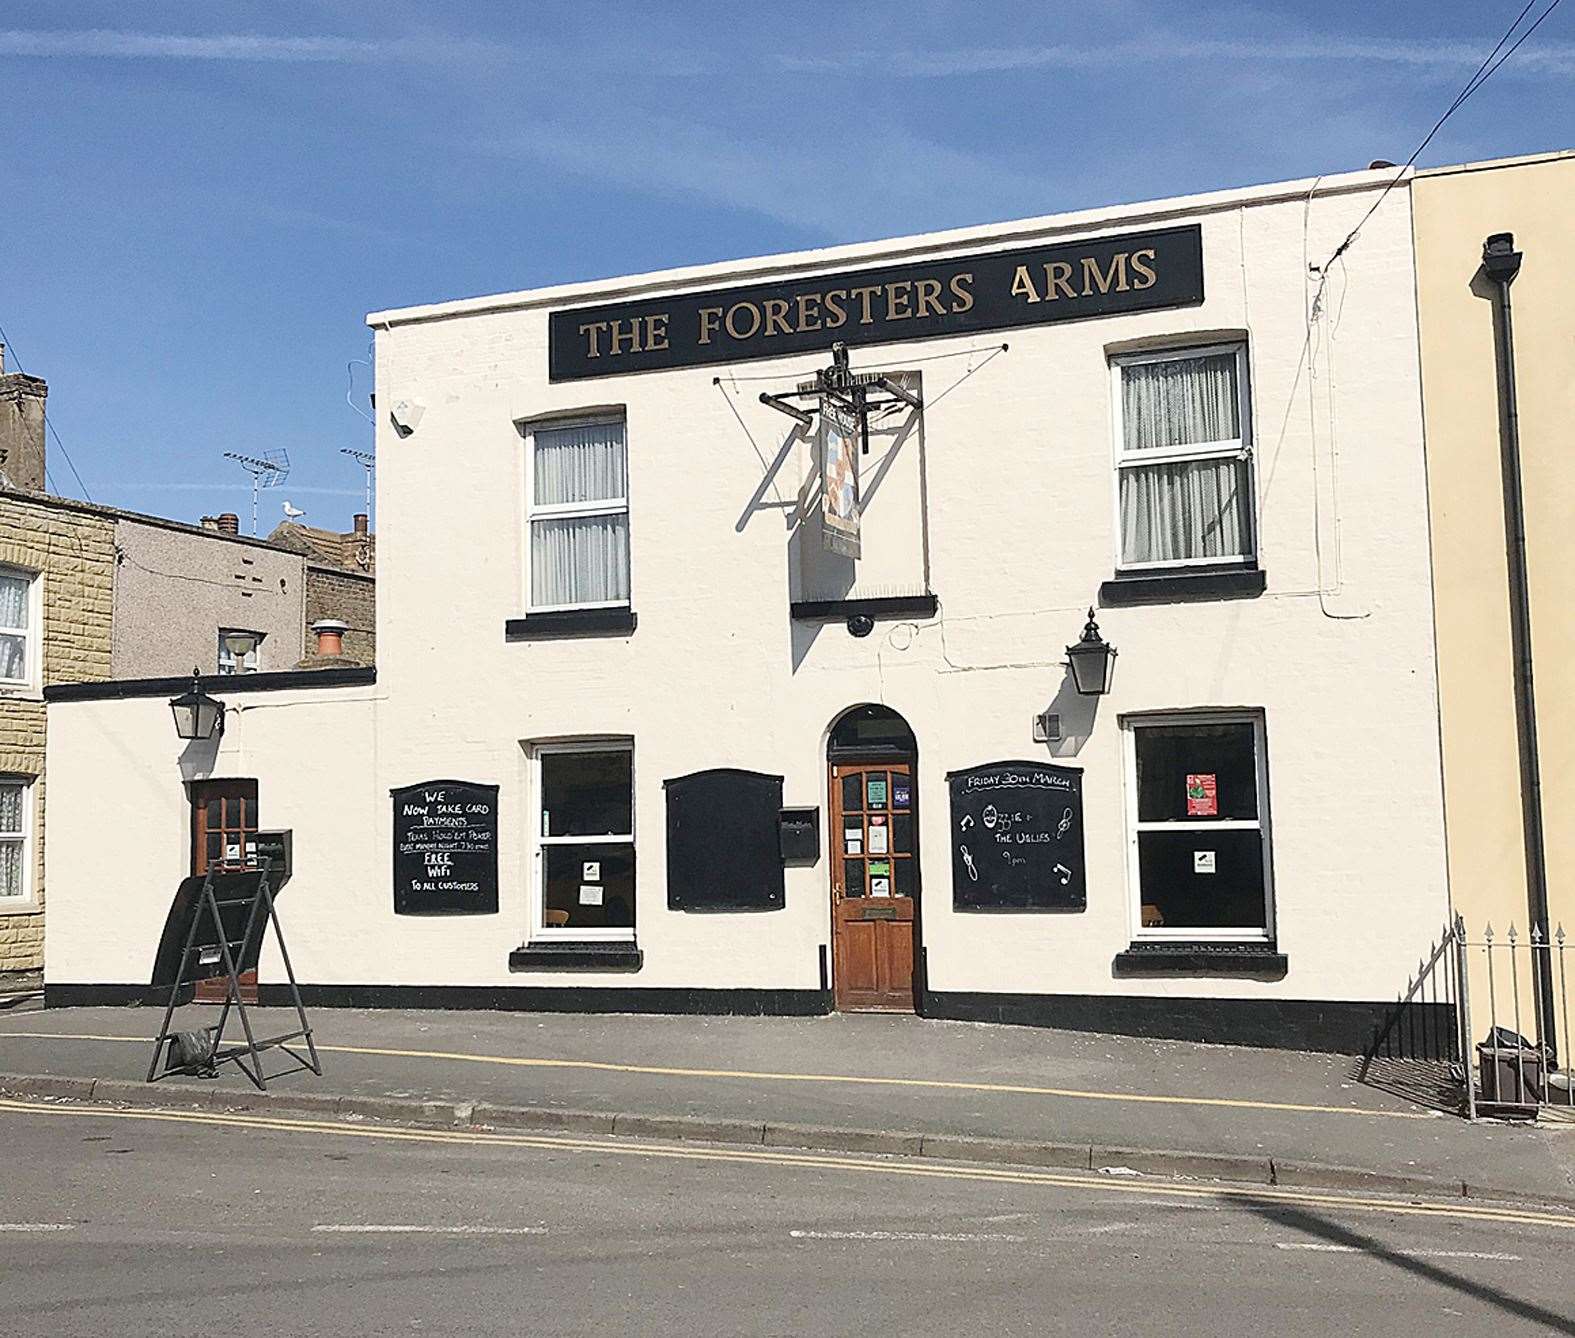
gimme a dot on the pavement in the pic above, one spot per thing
(136, 1222)
(866, 1083)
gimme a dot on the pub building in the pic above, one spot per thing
(1026, 623)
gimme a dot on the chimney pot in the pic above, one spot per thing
(228, 522)
(359, 521)
(330, 634)
(210, 522)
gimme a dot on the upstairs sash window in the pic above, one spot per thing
(578, 515)
(16, 628)
(1185, 458)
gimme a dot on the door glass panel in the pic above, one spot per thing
(854, 877)
(875, 789)
(901, 831)
(852, 793)
(903, 870)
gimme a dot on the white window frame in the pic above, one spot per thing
(32, 634)
(1238, 448)
(27, 903)
(256, 650)
(540, 841)
(611, 506)
(1131, 727)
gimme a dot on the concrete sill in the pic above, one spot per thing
(1170, 587)
(570, 623)
(570, 956)
(1202, 958)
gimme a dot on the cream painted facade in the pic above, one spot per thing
(1456, 209)
(1002, 502)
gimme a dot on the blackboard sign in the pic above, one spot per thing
(920, 299)
(1017, 838)
(724, 849)
(446, 849)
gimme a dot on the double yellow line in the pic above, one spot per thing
(812, 1161)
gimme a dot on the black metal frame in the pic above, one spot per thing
(853, 390)
(230, 950)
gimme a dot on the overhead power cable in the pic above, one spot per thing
(49, 422)
(1486, 70)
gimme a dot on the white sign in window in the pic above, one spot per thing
(585, 850)
(1200, 829)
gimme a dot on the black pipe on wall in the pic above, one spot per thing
(1500, 265)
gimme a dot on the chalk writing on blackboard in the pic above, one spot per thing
(446, 849)
(1019, 837)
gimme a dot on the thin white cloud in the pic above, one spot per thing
(229, 485)
(825, 188)
(1557, 58)
(105, 42)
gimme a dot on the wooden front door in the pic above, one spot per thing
(874, 884)
(224, 838)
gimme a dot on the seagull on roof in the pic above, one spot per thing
(291, 512)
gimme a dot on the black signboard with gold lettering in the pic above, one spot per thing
(922, 299)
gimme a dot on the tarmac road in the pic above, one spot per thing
(134, 1222)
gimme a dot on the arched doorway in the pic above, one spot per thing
(872, 761)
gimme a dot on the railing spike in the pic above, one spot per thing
(1512, 936)
(1536, 934)
(1559, 937)
(1487, 933)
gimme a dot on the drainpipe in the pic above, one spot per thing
(1500, 264)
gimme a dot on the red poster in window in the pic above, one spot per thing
(1202, 795)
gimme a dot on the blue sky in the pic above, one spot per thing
(200, 202)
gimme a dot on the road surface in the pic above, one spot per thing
(135, 1222)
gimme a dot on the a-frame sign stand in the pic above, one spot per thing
(228, 923)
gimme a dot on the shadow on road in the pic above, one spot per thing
(1313, 1224)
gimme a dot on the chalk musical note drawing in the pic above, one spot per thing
(1066, 821)
(966, 823)
(1066, 874)
(973, 873)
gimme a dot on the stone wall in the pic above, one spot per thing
(73, 552)
(350, 597)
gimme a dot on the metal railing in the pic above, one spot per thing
(1510, 990)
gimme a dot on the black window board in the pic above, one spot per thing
(723, 846)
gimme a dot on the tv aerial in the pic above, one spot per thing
(368, 462)
(268, 470)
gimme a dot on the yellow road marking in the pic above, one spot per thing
(811, 1160)
(602, 1066)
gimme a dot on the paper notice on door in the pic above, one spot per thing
(1202, 861)
(591, 870)
(232, 852)
(589, 895)
(880, 887)
(879, 839)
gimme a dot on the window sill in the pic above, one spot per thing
(20, 906)
(569, 955)
(570, 622)
(1182, 583)
(1202, 958)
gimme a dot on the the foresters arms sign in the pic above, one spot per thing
(926, 299)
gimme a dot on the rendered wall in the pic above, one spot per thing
(1456, 210)
(1019, 483)
(174, 590)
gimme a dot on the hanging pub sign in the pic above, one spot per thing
(446, 849)
(839, 455)
(919, 299)
(1017, 838)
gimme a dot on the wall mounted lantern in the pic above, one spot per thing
(1093, 660)
(197, 715)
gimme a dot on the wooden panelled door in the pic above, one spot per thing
(874, 884)
(224, 837)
